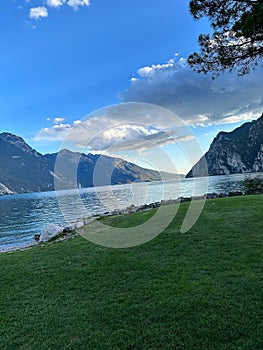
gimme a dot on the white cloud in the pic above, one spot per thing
(197, 98)
(56, 133)
(75, 4)
(55, 3)
(166, 69)
(59, 120)
(76, 122)
(38, 12)
(121, 128)
(42, 11)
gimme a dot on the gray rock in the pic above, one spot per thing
(239, 151)
(49, 232)
(222, 195)
(212, 195)
(235, 193)
(68, 229)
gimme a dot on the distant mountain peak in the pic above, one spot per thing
(8, 137)
(234, 152)
(22, 169)
(17, 142)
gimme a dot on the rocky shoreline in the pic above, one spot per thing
(53, 232)
(56, 232)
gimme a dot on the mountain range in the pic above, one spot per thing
(23, 169)
(235, 152)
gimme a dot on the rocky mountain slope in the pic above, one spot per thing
(239, 151)
(22, 169)
(95, 170)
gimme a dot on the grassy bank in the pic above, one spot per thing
(199, 290)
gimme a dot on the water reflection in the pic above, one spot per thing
(21, 216)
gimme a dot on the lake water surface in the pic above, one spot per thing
(24, 215)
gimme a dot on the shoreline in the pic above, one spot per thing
(70, 231)
(14, 248)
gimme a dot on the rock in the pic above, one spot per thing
(131, 209)
(79, 224)
(222, 195)
(235, 193)
(235, 152)
(212, 195)
(177, 200)
(115, 212)
(196, 198)
(37, 237)
(155, 205)
(49, 232)
(68, 229)
(186, 199)
(167, 202)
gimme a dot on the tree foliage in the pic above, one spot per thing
(237, 38)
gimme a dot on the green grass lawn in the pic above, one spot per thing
(198, 290)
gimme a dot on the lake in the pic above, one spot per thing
(24, 215)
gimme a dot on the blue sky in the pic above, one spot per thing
(61, 60)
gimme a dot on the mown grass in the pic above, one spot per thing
(198, 290)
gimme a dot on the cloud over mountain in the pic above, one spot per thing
(197, 98)
(129, 126)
